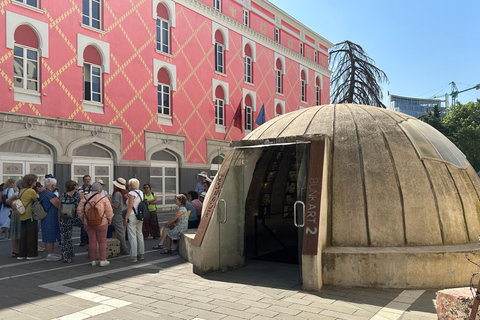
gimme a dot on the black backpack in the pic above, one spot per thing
(143, 213)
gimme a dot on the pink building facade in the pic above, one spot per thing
(154, 89)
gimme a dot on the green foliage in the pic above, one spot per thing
(462, 125)
(434, 119)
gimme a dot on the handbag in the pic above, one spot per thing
(17, 205)
(172, 225)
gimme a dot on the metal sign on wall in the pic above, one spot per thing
(313, 200)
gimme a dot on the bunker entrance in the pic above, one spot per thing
(274, 210)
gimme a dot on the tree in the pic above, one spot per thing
(355, 78)
(434, 119)
(463, 124)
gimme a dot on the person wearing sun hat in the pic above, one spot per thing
(200, 187)
(118, 206)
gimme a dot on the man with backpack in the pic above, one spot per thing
(96, 213)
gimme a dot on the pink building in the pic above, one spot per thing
(149, 88)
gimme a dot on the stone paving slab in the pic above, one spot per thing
(166, 288)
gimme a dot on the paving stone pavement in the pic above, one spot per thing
(164, 287)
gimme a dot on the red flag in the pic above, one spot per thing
(237, 118)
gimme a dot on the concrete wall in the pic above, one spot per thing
(399, 267)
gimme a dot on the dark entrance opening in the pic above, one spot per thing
(270, 230)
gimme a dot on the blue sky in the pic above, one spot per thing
(422, 45)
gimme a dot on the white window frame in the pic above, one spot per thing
(248, 118)
(247, 69)
(159, 31)
(25, 77)
(161, 196)
(303, 93)
(246, 18)
(217, 5)
(91, 65)
(219, 106)
(277, 35)
(90, 17)
(219, 58)
(164, 90)
(278, 81)
(25, 2)
(317, 95)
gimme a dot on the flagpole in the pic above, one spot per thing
(229, 127)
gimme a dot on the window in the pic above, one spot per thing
(301, 48)
(92, 78)
(219, 53)
(304, 87)
(163, 93)
(277, 35)
(248, 64)
(278, 77)
(163, 29)
(217, 5)
(164, 177)
(91, 13)
(33, 3)
(25, 68)
(92, 75)
(316, 56)
(248, 113)
(318, 92)
(219, 108)
(26, 59)
(245, 18)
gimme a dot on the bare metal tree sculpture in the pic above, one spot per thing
(355, 77)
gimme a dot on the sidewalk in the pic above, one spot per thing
(164, 287)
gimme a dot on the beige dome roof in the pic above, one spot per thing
(394, 180)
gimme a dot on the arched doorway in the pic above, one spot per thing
(95, 161)
(22, 156)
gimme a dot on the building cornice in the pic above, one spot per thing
(241, 29)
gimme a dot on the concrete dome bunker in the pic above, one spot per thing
(398, 203)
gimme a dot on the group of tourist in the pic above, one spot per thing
(117, 211)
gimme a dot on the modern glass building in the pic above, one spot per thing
(414, 107)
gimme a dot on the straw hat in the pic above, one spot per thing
(120, 183)
(101, 182)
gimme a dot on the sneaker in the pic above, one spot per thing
(140, 257)
(174, 247)
(124, 253)
(131, 260)
(33, 258)
(53, 258)
(94, 263)
(40, 249)
(21, 258)
(104, 263)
